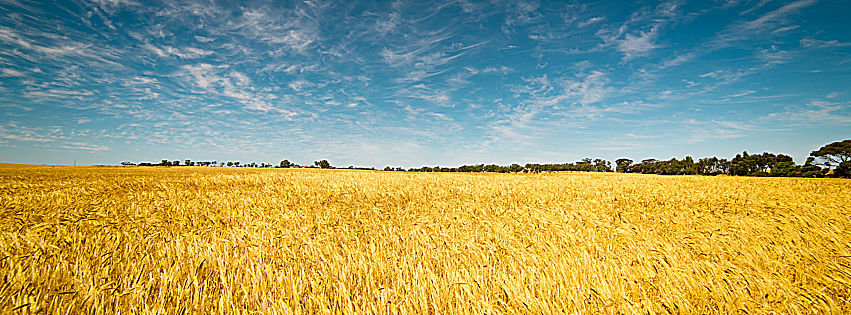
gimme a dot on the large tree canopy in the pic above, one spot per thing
(836, 152)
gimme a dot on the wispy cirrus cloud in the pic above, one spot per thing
(445, 77)
(815, 43)
(814, 113)
(185, 53)
(638, 35)
(11, 72)
(547, 101)
(770, 21)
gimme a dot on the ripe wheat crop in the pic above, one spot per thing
(278, 241)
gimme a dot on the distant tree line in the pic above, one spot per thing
(832, 160)
(282, 164)
(586, 165)
(200, 163)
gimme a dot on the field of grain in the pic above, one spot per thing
(226, 240)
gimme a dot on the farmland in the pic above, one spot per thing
(228, 240)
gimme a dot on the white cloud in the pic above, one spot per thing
(204, 39)
(418, 75)
(422, 57)
(770, 19)
(290, 68)
(421, 91)
(295, 39)
(743, 93)
(815, 43)
(299, 85)
(757, 6)
(13, 131)
(394, 58)
(816, 112)
(83, 146)
(785, 29)
(773, 56)
(140, 80)
(204, 74)
(184, 53)
(497, 69)
(10, 36)
(67, 47)
(295, 33)
(521, 13)
(23, 137)
(633, 43)
(240, 78)
(15, 106)
(593, 20)
(11, 72)
(235, 86)
(715, 129)
(191, 52)
(555, 103)
(384, 26)
(678, 60)
(111, 6)
(638, 44)
(59, 93)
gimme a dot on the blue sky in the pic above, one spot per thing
(413, 83)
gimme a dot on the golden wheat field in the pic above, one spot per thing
(280, 241)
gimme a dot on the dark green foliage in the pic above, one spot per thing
(836, 152)
(322, 164)
(765, 164)
(622, 164)
(586, 165)
(843, 170)
(745, 164)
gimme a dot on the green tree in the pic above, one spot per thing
(601, 165)
(843, 170)
(622, 165)
(785, 169)
(286, 164)
(688, 166)
(834, 153)
(515, 168)
(322, 164)
(811, 169)
(706, 166)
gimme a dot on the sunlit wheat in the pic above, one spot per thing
(223, 240)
